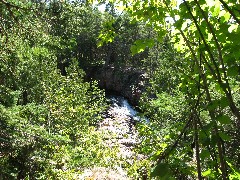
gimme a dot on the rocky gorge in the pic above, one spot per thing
(124, 87)
(128, 82)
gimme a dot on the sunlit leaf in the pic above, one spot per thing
(226, 16)
(207, 173)
(233, 27)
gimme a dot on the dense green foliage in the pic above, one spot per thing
(47, 120)
(195, 117)
(48, 113)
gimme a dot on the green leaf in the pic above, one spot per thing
(219, 88)
(213, 105)
(233, 71)
(223, 102)
(207, 173)
(140, 45)
(224, 136)
(136, 49)
(204, 154)
(216, 10)
(233, 27)
(235, 173)
(99, 43)
(226, 16)
(224, 119)
(161, 170)
(214, 140)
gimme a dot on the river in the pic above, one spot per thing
(119, 121)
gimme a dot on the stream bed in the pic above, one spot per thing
(119, 121)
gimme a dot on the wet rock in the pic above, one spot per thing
(128, 82)
(118, 126)
(121, 123)
(100, 173)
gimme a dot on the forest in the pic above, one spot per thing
(51, 104)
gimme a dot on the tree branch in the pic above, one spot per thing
(230, 11)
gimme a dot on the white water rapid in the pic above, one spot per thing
(120, 120)
(119, 127)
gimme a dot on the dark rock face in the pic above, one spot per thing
(127, 82)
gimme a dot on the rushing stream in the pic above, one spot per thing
(119, 121)
(120, 105)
